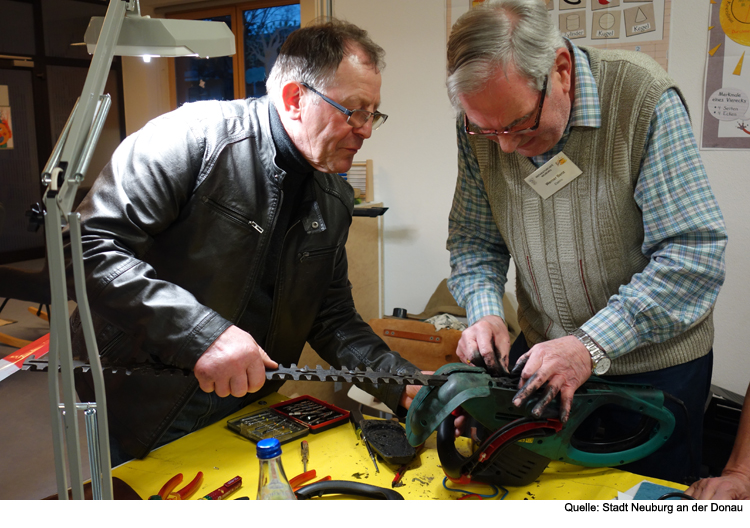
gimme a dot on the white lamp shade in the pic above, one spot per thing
(166, 37)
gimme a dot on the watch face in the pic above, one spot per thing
(602, 366)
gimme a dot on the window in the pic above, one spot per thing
(260, 28)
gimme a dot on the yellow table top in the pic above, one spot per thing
(222, 454)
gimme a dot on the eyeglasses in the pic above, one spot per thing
(518, 128)
(354, 118)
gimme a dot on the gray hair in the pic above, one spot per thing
(312, 54)
(496, 35)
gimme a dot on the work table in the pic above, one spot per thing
(222, 454)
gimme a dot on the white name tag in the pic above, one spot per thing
(553, 175)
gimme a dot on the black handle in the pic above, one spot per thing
(344, 487)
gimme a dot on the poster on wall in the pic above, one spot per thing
(637, 25)
(6, 124)
(726, 123)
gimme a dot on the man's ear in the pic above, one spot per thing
(564, 67)
(290, 98)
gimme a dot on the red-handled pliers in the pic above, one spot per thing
(167, 490)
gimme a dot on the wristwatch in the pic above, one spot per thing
(599, 357)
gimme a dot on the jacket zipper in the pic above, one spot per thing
(315, 253)
(230, 214)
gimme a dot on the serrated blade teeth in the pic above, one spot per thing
(368, 375)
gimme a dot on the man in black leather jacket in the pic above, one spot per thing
(214, 241)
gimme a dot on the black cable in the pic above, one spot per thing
(676, 494)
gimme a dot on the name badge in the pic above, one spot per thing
(553, 175)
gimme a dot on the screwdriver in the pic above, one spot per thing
(305, 455)
(357, 420)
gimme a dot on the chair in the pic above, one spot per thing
(23, 285)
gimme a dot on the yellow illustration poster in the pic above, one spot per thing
(726, 123)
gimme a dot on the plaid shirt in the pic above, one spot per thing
(684, 233)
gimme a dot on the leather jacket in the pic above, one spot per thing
(175, 232)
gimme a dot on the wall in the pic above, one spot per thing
(727, 171)
(414, 155)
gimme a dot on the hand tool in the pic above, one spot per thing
(167, 490)
(397, 477)
(224, 490)
(305, 454)
(372, 455)
(357, 421)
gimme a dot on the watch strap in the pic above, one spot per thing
(596, 352)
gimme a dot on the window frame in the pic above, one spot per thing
(234, 11)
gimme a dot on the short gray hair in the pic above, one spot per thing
(493, 37)
(312, 54)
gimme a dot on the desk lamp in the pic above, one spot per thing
(122, 31)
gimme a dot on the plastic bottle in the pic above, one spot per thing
(272, 481)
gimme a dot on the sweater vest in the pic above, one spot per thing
(575, 249)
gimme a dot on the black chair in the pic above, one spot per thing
(23, 285)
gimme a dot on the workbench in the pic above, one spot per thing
(222, 454)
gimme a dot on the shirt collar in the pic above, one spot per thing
(586, 110)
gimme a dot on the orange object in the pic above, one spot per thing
(191, 488)
(171, 484)
(301, 479)
(167, 490)
(12, 363)
(39, 313)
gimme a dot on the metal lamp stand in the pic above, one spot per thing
(63, 173)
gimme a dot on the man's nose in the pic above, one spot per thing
(508, 142)
(365, 131)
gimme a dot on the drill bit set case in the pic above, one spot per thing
(289, 420)
(312, 412)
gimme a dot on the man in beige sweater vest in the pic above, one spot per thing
(581, 165)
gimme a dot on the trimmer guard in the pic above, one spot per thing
(489, 401)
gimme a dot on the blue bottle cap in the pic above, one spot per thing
(268, 448)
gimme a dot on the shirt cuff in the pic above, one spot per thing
(482, 304)
(612, 332)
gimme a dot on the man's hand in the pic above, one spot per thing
(233, 364)
(563, 363)
(410, 392)
(730, 485)
(486, 341)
